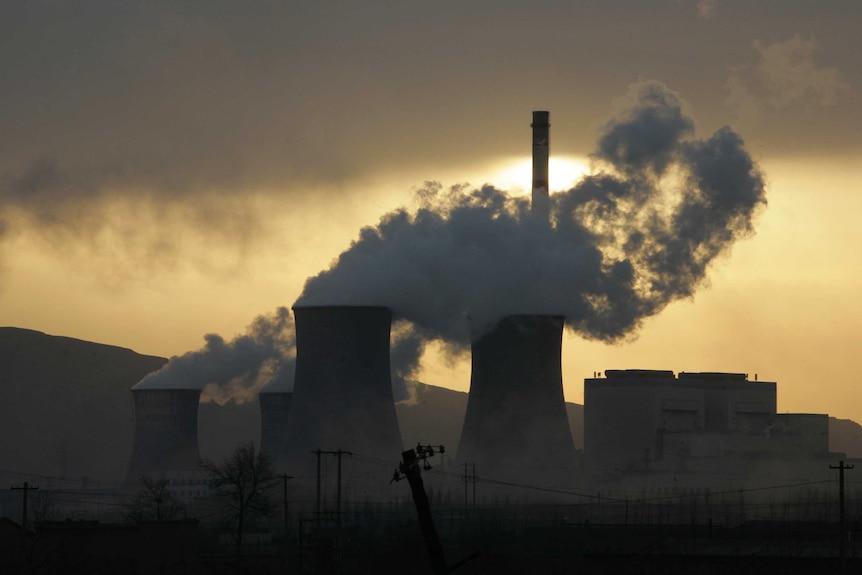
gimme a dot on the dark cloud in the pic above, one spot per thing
(786, 75)
(162, 106)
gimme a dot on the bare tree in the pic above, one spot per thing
(42, 503)
(241, 482)
(154, 501)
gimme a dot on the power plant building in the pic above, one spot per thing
(652, 428)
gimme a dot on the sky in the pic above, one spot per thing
(170, 170)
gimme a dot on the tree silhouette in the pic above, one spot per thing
(241, 482)
(153, 501)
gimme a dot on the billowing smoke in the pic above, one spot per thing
(637, 234)
(406, 347)
(237, 369)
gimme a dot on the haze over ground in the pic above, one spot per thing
(170, 171)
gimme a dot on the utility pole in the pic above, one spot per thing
(465, 485)
(317, 504)
(474, 479)
(25, 489)
(841, 514)
(338, 453)
(409, 468)
(284, 478)
(469, 478)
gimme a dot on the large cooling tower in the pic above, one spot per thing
(342, 395)
(166, 432)
(516, 428)
(274, 411)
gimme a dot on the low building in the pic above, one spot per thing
(652, 429)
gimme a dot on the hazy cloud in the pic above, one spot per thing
(141, 134)
(785, 73)
(706, 8)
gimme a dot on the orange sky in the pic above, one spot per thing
(166, 174)
(783, 305)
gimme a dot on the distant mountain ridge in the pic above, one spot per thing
(65, 407)
(66, 410)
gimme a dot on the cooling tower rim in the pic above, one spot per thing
(478, 330)
(511, 316)
(136, 389)
(516, 316)
(340, 307)
(532, 315)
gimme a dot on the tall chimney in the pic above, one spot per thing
(540, 205)
(516, 428)
(342, 395)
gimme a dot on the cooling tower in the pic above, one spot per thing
(274, 410)
(515, 427)
(342, 394)
(166, 432)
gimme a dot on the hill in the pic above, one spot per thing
(65, 407)
(66, 410)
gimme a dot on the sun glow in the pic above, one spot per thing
(517, 174)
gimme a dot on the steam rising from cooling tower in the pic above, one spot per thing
(637, 234)
(237, 369)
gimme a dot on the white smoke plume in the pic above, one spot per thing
(237, 369)
(637, 234)
(627, 240)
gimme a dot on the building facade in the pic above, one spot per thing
(654, 429)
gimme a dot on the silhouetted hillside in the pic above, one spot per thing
(65, 407)
(66, 410)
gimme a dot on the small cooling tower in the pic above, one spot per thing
(274, 410)
(342, 394)
(166, 432)
(515, 427)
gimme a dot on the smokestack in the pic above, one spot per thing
(166, 432)
(540, 204)
(342, 395)
(274, 412)
(516, 428)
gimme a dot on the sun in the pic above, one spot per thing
(517, 174)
